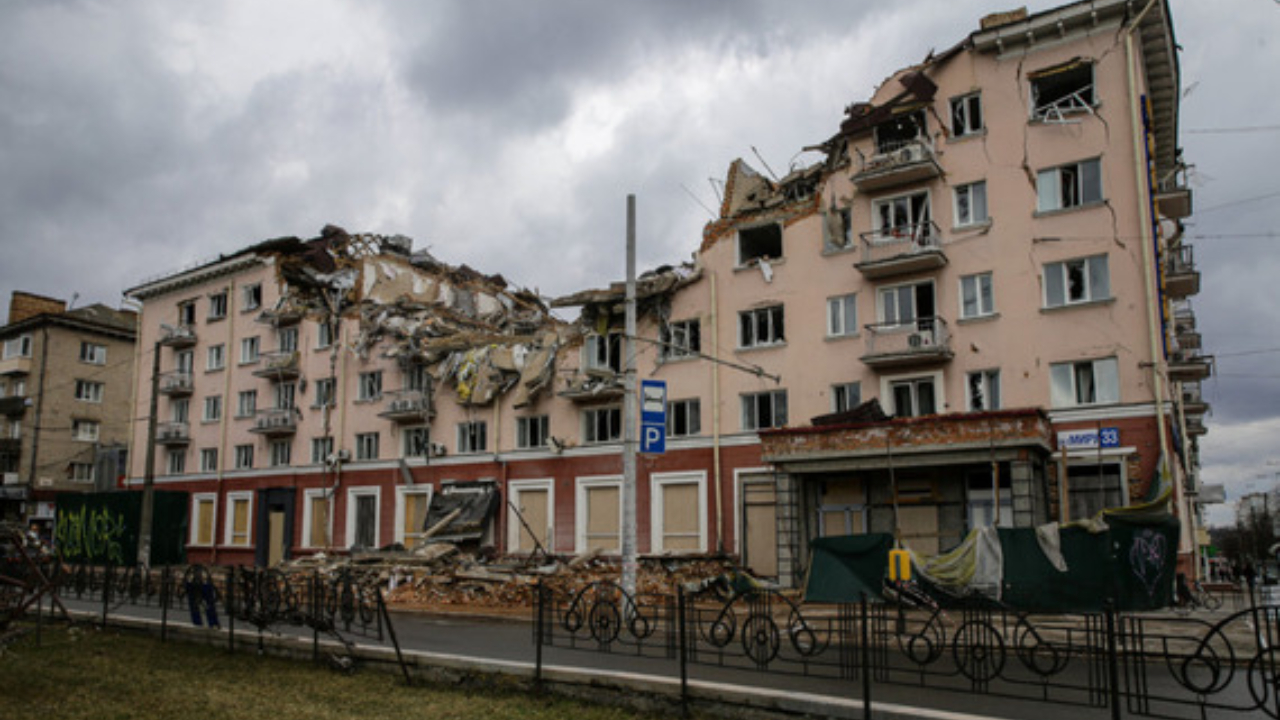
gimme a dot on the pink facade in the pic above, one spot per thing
(979, 239)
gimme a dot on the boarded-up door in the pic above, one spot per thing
(760, 525)
(275, 537)
(532, 504)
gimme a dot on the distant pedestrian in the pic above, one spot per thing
(1249, 575)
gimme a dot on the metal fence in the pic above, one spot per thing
(1224, 664)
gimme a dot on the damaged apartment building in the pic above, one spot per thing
(972, 309)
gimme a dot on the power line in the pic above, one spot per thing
(1243, 353)
(1233, 130)
(1211, 208)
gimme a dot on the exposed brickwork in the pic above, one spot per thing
(23, 305)
(1004, 429)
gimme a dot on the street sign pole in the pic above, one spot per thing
(629, 413)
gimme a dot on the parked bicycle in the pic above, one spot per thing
(1194, 596)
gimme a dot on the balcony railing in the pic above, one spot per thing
(13, 406)
(281, 317)
(173, 433)
(178, 336)
(17, 365)
(279, 365)
(1181, 279)
(900, 250)
(899, 163)
(1195, 427)
(276, 422)
(176, 384)
(1187, 365)
(407, 406)
(1193, 402)
(922, 341)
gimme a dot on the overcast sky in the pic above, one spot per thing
(139, 137)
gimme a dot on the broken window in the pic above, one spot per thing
(837, 228)
(417, 442)
(1062, 90)
(1093, 488)
(982, 503)
(89, 391)
(1072, 282)
(532, 432)
(1069, 186)
(604, 352)
(763, 242)
(187, 313)
(251, 296)
(845, 396)
(905, 129)
(684, 417)
(761, 327)
(472, 437)
(93, 353)
(244, 457)
(367, 446)
(903, 304)
(842, 315)
(85, 430)
(1086, 382)
(984, 390)
(370, 385)
(681, 339)
(976, 296)
(971, 203)
(601, 425)
(906, 217)
(764, 410)
(966, 115)
(914, 397)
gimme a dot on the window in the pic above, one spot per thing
(316, 512)
(416, 442)
(216, 359)
(251, 297)
(845, 396)
(239, 517)
(286, 394)
(84, 430)
(761, 327)
(1069, 186)
(249, 350)
(203, 507)
(966, 115)
(902, 130)
(176, 462)
(370, 386)
(218, 306)
(287, 339)
(678, 518)
(82, 472)
(599, 513)
(471, 437)
(530, 516)
(93, 353)
(764, 410)
(982, 504)
(213, 408)
(1093, 488)
(904, 218)
(1073, 282)
(362, 517)
(17, 347)
(367, 446)
(187, 313)
(601, 425)
(184, 362)
(411, 514)
(247, 403)
(1062, 90)
(208, 459)
(759, 243)
(842, 316)
(244, 457)
(87, 391)
(324, 392)
(903, 304)
(984, 390)
(681, 339)
(603, 352)
(324, 334)
(971, 203)
(532, 432)
(281, 453)
(976, 298)
(18, 388)
(837, 228)
(321, 449)
(1086, 382)
(684, 417)
(914, 397)
(417, 377)
(180, 410)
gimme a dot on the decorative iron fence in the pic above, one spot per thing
(1149, 665)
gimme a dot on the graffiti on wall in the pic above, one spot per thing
(1147, 559)
(90, 533)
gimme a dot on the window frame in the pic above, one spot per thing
(250, 297)
(369, 386)
(92, 353)
(243, 457)
(89, 391)
(603, 352)
(18, 347)
(838, 311)
(407, 437)
(750, 409)
(966, 105)
(981, 309)
(212, 411)
(743, 259)
(402, 506)
(175, 461)
(658, 484)
(1040, 112)
(890, 385)
(591, 424)
(209, 459)
(968, 190)
(228, 530)
(250, 350)
(681, 340)
(198, 500)
(1050, 187)
(843, 389)
(218, 306)
(1104, 378)
(541, 427)
(310, 495)
(688, 409)
(771, 319)
(989, 379)
(321, 447)
(353, 494)
(581, 517)
(83, 473)
(1061, 269)
(514, 527)
(246, 403)
(279, 457)
(472, 437)
(368, 446)
(215, 358)
(83, 430)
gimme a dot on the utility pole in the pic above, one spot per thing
(149, 479)
(629, 413)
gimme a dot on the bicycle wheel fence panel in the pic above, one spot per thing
(1124, 665)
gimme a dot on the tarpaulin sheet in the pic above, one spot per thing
(102, 527)
(842, 568)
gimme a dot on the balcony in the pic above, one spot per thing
(1196, 428)
(1193, 402)
(901, 250)
(924, 341)
(897, 163)
(1181, 279)
(178, 336)
(1174, 200)
(1189, 365)
(408, 406)
(10, 446)
(13, 406)
(279, 366)
(173, 433)
(281, 317)
(276, 422)
(15, 366)
(177, 384)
